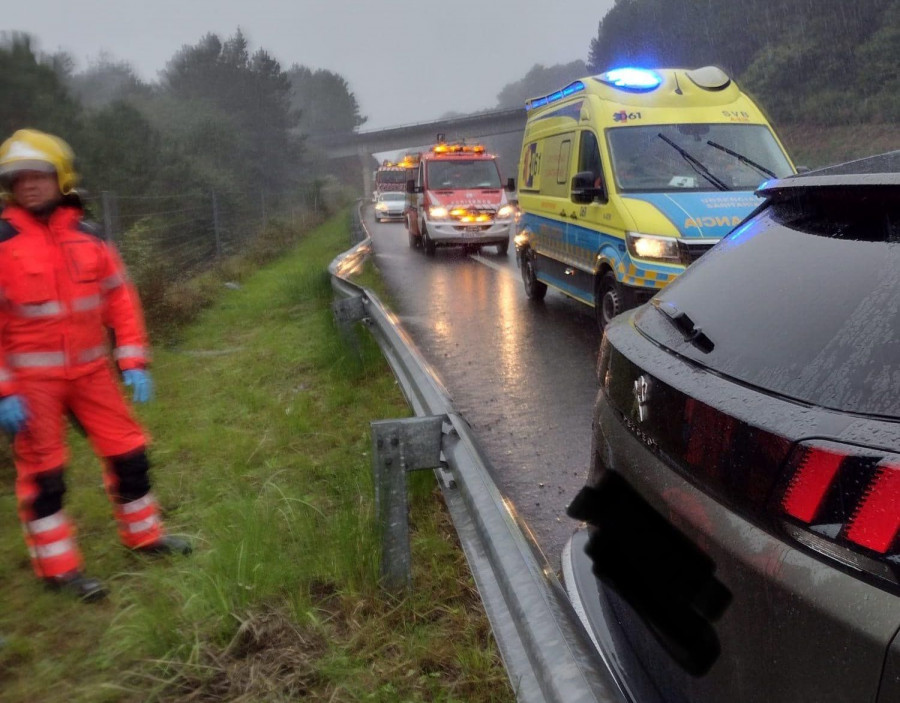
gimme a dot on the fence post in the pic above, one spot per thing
(216, 232)
(106, 204)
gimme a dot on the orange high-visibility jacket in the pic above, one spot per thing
(62, 288)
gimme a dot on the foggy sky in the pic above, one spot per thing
(405, 60)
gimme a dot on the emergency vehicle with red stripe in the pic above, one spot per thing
(457, 199)
(391, 176)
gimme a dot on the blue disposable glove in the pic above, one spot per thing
(13, 413)
(141, 382)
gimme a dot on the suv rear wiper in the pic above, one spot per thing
(695, 164)
(743, 159)
(691, 333)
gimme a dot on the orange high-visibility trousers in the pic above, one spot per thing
(97, 405)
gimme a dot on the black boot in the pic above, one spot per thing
(86, 589)
(167, 544)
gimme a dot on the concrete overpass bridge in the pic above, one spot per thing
(364, 144)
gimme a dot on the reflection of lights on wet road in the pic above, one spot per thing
(508, 318)
(441, 328)
(505, 270)
(508, 313)
(459, 290)
(439, 318)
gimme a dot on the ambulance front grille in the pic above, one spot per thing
(691, 251)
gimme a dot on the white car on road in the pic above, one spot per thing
(390, 206)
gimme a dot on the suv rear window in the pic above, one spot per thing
(803, 300)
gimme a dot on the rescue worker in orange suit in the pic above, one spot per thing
(63, 290)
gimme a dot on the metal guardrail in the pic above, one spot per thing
(548, 655)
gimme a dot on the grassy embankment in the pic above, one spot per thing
(262, 457)
(814, 146)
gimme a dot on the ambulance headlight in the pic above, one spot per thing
(652, 248)
(438, 212)
(381, 206)
(505, 211)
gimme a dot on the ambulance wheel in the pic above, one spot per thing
(428, 244)
(534, 289)
(503, 247)
(608, 299)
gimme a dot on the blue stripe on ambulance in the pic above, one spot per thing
(564, 286)
(581, 246)
(707, 215)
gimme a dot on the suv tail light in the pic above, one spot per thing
(844, 502)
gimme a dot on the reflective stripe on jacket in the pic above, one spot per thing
(62, 287)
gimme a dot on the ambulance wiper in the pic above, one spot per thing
(743, 159)
(695, 164)
(689, 331)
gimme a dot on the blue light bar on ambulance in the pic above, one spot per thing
(570, 89)
(637, 80)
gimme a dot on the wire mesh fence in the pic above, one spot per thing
(184, 233)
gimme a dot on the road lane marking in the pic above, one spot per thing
(494, 265)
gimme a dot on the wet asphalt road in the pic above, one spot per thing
(521, 374)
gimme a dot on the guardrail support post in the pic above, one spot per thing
(399, 446)
(346, 312)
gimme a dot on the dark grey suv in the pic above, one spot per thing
(743, 504)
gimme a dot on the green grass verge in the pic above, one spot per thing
(262, 456)
(817, 146)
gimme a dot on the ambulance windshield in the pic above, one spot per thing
(737, 155)
(457, 174)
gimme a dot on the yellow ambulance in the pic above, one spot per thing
(629, 176)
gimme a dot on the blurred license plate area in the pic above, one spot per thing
(660, 573)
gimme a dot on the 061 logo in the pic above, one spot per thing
(623, 116)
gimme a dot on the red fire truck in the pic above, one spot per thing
(457, 199)
(392, 176)
(389, 178)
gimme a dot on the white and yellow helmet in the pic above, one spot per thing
(31, 150)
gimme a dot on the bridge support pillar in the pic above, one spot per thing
(366, 160)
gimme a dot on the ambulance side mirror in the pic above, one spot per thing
(583, 189)
(411, 187)
(511, 185)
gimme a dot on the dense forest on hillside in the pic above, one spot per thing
(817, 62)
(538, 81)
(220, 118)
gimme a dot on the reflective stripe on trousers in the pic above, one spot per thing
(139, 522)
(51, 544)
(54, 549)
